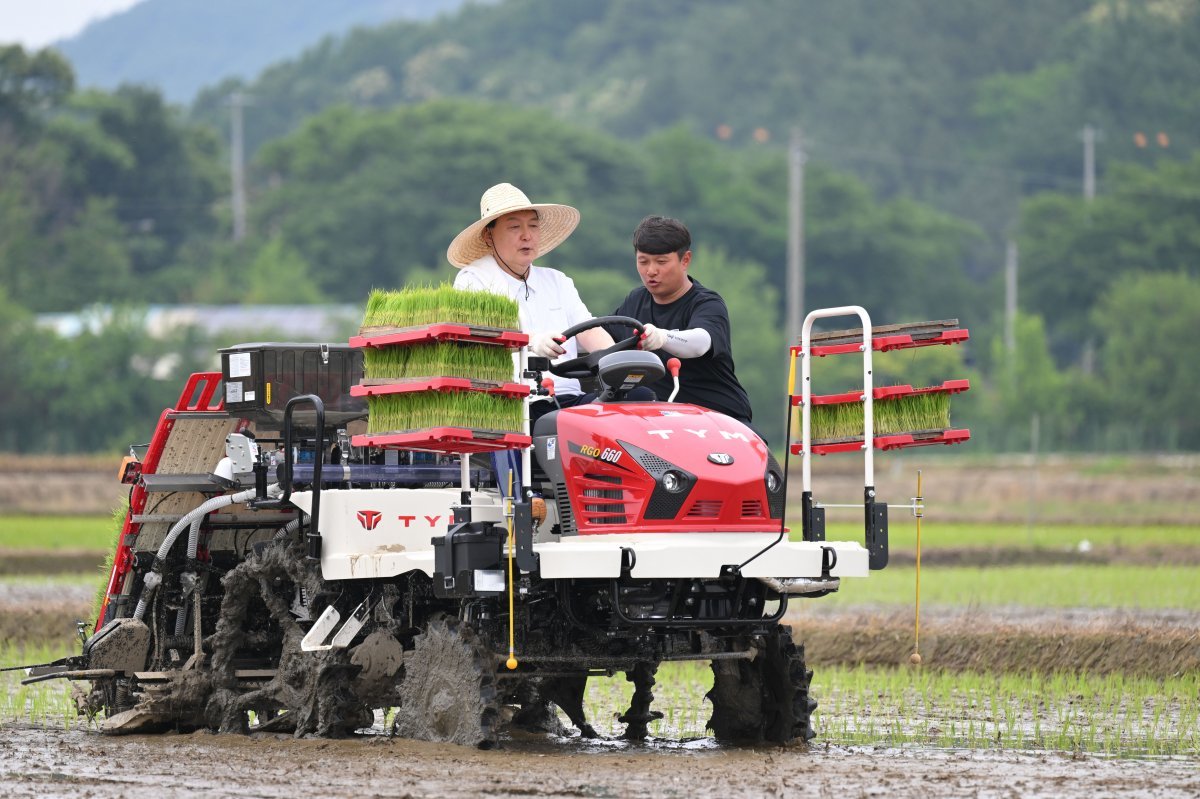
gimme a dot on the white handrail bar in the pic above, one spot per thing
(806, 392)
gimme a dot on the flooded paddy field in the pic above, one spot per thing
(53, 762)
(1058, 661)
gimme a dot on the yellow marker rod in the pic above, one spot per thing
(512, 548)
(915, 659)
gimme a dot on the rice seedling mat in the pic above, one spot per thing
(888, 393)
(446, 440)
(441, 331)
(885, 338)
(384, 386)
(915, 438)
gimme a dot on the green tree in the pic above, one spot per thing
(31, 84)
(1152, 381)
(365, 197)
(1073, 251)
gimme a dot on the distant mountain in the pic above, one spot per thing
(179, 46)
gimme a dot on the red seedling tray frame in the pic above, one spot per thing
(443, 331)
(890, 441)
(887, 393)
(446, 440)
(887, 343)
(506, 390)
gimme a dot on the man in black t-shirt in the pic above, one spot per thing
(683, 319)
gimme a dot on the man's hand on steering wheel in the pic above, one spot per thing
(586, 366)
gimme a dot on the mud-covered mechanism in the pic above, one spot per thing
(283, 569)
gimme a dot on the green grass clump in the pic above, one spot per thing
(448, 359)
(425, 409)
(899, 415)
(118, 523)
(425, 305)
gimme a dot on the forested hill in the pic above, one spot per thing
(966, 104)
(180, 46)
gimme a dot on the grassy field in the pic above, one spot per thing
(1067, 586)
(57, 532)
(97, 532)
(902, 534)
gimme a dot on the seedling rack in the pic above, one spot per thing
(888, 441)
(865, 340)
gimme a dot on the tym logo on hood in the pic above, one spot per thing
(701, 433)
(369, 518)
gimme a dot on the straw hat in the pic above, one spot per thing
(557, 222)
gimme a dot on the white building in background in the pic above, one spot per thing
(327, 323)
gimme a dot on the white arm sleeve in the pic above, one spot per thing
(688, 343)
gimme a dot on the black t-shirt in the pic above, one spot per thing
(707, 381)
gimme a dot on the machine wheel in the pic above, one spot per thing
(448, 694)
(765, 699)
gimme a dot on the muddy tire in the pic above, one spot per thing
(448, 694)
(765, 700)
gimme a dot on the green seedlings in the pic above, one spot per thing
(419, 410)
(1117, 714)
(439, 359)
(414, 307)
(118, 524)
(904, 414)
(45, 703)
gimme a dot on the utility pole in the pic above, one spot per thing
(1090, 136)
(795, 253)
(1087, 358)
(237, 102)
(1010, 300)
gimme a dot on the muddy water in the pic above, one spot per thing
(52, 763)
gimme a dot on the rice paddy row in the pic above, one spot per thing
(1117, 715)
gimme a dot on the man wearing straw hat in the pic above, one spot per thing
(496, 254)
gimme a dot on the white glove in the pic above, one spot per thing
(546, 345)
(653, 338)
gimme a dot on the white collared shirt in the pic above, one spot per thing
(552, 304)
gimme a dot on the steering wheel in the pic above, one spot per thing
(587, 365)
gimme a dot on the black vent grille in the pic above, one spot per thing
(653, 464)
(752, 508)
(777, 500)
(610, 511)
(566, 518)
(705, 509)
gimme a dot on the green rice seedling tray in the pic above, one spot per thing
(441, 331)
(424, 360)
(887, 392)
(445, 440)
(376, 388)
(417, 306)
(916, 438)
